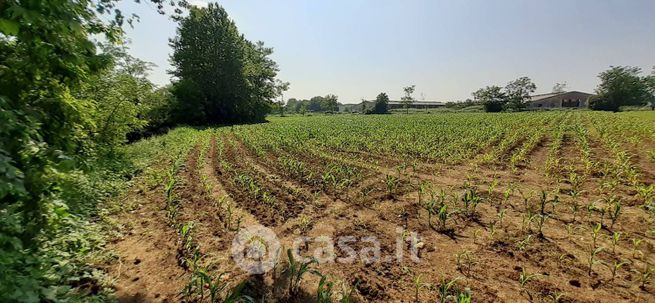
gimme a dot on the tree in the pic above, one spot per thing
(650, 83)
(315, 104)
(559, 87)
(518, 93)
(220, 74)
(122, 97)
(407, 99)
(381, 104)
(492, 98)
(620, 86)
(280, 88)
(293, 105)
(330, 103)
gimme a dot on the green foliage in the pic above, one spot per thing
(51, 131)
(329, 104)
(492, 97)
(122, 99)
(381, 104)
(223, 78)
(597, 102)
(513, 97)
(620, 86)
(296, 269)
(408, 99)
(518, 93)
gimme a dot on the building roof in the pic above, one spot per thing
(395, 102)
(549, 95)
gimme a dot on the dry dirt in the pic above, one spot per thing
(148, 269)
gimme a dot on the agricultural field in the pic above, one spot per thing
(513, 207)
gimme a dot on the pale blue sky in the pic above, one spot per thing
(356, 49)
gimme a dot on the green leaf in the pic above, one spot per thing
(9, 27)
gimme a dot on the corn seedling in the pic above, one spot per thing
(492, 187)
(465, 260)
(614, 211)
(421, 190)
(554, 202)
(616, 237)
(235, 295)
(444, 289)
(471, 200)
(556, 297)
(465, 296)
(592, 258)
(418, 285)
(324, 291)
(594, 234)
(646, 194)
(392, 182)
(201, 282)
(569, 230)
(347, 292)
(506, 195)
(443, 215)
(296, 270)
(646, 274)
(188, 249)
(501, 216)
(229, 212)
(614, 267)
(476, 235)
(591, 207)
(526, 277)
(492, 229)
(305, 224)
(635, 247)
(523, 244)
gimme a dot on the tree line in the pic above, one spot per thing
(619, 86)
(328, 103)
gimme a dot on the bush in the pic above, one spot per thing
(598, 102)
(381, 105)
(493, 106)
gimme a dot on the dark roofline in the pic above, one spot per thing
(550, 95)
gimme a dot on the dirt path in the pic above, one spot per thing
(146, 264)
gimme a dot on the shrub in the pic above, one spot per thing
(597, 102)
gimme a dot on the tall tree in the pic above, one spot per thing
(315, 104)
(280, 88)
(492, 98)
(381, 104)
(293, 105)
(620, 86)
(559, 87)
(518, 93)
(408, 99)
(122, 97)
(650, 83)
(330, 103)
(221, 77)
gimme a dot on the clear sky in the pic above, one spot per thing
(356, 49)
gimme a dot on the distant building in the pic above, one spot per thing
(416, 104)
(393, 104)
(573, 99)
